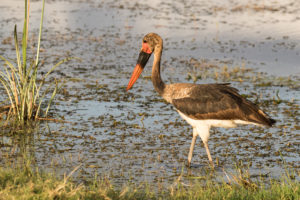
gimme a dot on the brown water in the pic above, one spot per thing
(135, 136)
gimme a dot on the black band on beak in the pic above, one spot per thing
(143, 58)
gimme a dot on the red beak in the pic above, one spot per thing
(135, 75)
(141, 63)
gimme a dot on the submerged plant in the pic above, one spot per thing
(19, 80)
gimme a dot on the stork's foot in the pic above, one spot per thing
(188, 164)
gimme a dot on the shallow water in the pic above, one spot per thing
(135, 136)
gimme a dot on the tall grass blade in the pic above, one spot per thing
(24, 38)
(53, 68)
(52, 97)
(17, 51)
(8, 63)
(40, 36)
(8, 91)
(59, 63)
(10, 84)
(14, 88)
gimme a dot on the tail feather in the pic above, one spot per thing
(265, 119)
(272, 121)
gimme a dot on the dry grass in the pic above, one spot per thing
(22, 182)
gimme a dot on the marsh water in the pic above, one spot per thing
(136, 136)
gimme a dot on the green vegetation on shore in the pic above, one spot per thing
(26, 183)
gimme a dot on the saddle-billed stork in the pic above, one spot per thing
(202, 105)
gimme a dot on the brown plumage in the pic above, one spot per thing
(202, 105)
(219, 101)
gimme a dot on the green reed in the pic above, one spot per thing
(20, 78)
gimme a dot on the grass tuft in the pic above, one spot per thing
(20, 79)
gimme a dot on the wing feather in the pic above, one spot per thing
(217, 101)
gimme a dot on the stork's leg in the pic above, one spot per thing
(191, 149)
(203, 131)
(208, 154)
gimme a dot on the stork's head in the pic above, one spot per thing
(150, 42)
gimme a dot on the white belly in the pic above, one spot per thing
(214, 122)
(202, 127)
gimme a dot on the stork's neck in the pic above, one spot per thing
(158, 84)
